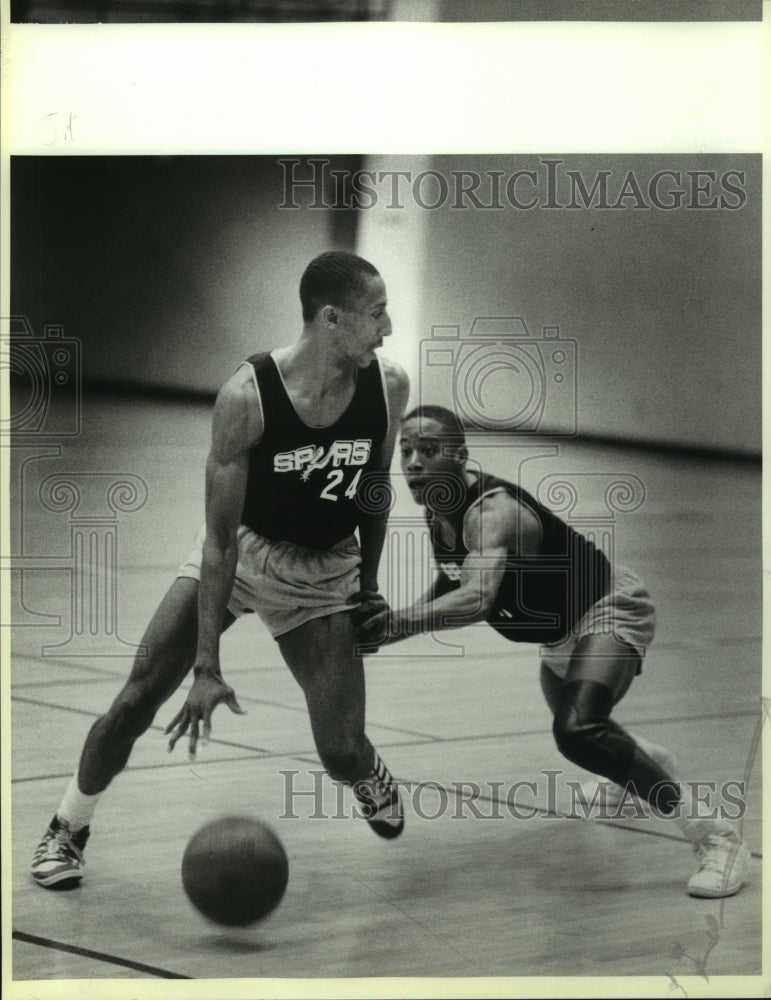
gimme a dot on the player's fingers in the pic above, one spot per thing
(174, 738)
(373, 625)
(368, 610)
(193, 739)
(174, 722)
(180, 725)
(206, 733)
(368, 607)
(180, 731)
(362, 595)
(232, 702)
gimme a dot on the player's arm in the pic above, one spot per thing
(226, 475)
(236, 425)
(440, 585)
(372, 526)
(495, 527)
(372, 613)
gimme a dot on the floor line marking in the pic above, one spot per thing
(100, 956)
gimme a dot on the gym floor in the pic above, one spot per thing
(469, 890)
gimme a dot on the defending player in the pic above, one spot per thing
(293, 434)
(505, 559)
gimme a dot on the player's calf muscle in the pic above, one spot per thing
(130, 715)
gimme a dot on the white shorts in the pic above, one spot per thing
(285, 584)
(626, 612)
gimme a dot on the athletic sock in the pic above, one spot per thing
(76, 808)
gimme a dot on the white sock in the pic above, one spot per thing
(77, 809)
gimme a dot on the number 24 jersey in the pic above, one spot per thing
(304, 482)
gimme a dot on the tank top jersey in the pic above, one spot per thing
(543, 595)
(303, 481)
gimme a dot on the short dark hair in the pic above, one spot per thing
(451, 425)
(333, 278)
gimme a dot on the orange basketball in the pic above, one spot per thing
(235, 870)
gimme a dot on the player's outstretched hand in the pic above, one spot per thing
(208, 691)
(370, 619)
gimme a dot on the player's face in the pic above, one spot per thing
(424, 456)
(364, 324)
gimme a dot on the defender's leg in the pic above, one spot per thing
(600, 672)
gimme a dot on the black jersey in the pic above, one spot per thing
(542, 595)
(303, 480)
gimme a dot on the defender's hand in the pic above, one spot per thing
(369, 620)
(208, 691)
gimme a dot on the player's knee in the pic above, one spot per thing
(577, 736)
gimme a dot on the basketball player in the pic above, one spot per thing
(295, 433)
(505, 559)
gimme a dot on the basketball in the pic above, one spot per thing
(235, 871)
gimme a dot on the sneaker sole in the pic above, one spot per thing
(708, 894)
(59, 880)
(385, 830)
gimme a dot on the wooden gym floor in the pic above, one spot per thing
(468, 890)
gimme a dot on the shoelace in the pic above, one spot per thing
(46, 846)
(60, 841)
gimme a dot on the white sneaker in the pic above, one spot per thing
(724, 861)
(610, 795)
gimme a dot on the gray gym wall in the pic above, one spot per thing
(171, 270)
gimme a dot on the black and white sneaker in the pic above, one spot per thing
(58, 861)
(379, 800)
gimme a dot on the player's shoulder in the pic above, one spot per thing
(501, 498)
(507, 512)
(240, 388)
(238, 402)
(497, 501)
(396, 379)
